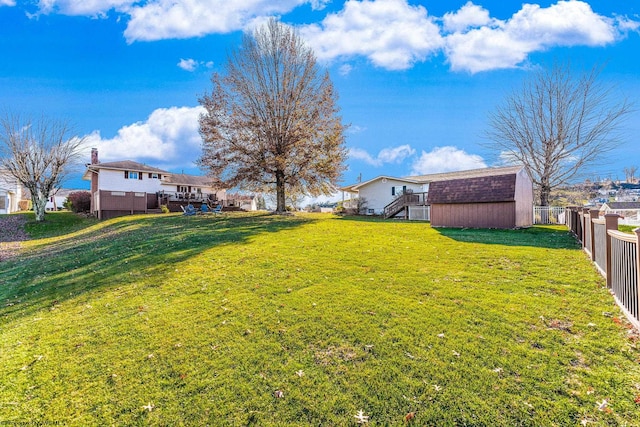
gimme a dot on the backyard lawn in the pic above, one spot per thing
(265, 320)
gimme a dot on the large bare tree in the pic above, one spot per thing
(39, 154)
(272, 120)
(558, 125)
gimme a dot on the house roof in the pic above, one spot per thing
(356, 187)
(621, 205)
(471, 173)
(128, 165)
(477, 189)
(184, 179)
(434, 177)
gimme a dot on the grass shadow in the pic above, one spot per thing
(114, 252)
(545, 236)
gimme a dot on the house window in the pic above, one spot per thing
(183, 188)
(398, 190)
(153, 176)
(132, 175)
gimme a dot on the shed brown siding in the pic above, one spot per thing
(474, 215)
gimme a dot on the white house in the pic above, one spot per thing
(378, 192)
(382, 195)
(56, 202)
(128, 187)
(10, 193)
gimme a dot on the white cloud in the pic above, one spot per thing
(446, 159)
(390, 33)
(7, 2)
(506, 44)
(345, 69)
(162, 19)
(169, 138)
(188, 64)
(386, 155)
(83, 7)
(469, 15)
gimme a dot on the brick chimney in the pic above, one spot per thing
(94, 156)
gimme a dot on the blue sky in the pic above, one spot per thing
(416, 79)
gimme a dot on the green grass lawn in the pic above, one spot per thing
(306, 320)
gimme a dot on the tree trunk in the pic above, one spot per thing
(545, 193)
(281, 205)
(39, 201)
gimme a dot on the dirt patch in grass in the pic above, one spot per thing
(11, 234)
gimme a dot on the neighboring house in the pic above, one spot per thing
(394, 197)
(10, 193)
(244, 202)
(127, 187)
(56, 202)
(630, 211)
(502, 199)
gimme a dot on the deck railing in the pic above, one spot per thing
(403, 201)
(615, 254)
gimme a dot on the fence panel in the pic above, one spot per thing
(624, 272)
(600, 236)
(587, 233)
(548, 215)
(419, 213)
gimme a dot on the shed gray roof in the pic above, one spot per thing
(479, 189)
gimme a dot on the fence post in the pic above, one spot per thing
(637, 233)
(610, 223)
(593, 214)
(584, 219)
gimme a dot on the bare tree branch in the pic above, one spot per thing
(558, 126)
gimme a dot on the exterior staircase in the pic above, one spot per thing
(402, 203)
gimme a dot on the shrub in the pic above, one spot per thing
(164, 209)
(79, 201)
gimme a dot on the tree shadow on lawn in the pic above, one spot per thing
(116, 252)
(552, 237)
(541, 236)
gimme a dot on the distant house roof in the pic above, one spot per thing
(621, 205)
(128, 165)
(479, 189)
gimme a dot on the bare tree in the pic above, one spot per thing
(38, 154)
(273, 120)
(557, 125)
(630, 174)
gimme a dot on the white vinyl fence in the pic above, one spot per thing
(548, 215)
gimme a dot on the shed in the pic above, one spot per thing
(503, 199)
